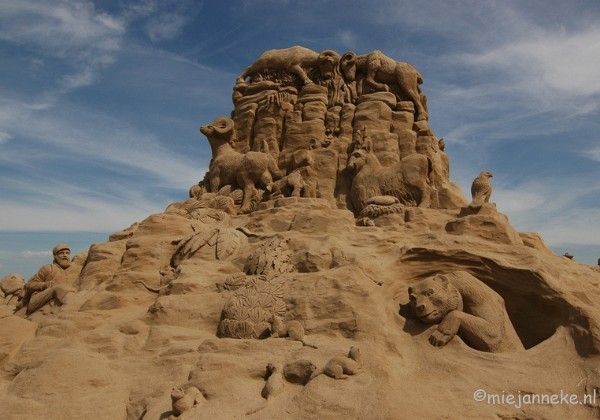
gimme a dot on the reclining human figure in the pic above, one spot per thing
(52, 282)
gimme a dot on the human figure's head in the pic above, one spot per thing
(62, 255)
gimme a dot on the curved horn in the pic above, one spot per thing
(349, 56)
(223, 125)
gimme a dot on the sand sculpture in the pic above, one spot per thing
(185, 399)
(481, 190)
(381, 72)
(463, 305)
(295, 60)
(290, 330)
(342, 367)
(303, 109)
(302, 181)
(229, 167)
(52, 283)
(327, 199)
(274, 385)
(408, 180)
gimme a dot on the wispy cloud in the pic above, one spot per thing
(35, 254)
(100, 138)
(83, 39)
(593, 153)
(347, 38)
(168, 25)
(60, 28)
(4, 137)
(519, 200)
(555, 207)
(55, 205)
(163, 19)
(565, 63)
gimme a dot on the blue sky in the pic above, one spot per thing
(100, 102)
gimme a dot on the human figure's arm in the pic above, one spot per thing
(40, 280)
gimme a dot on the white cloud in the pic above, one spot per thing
(4, 137)
(60, 28)
(579, 226)
(518, 200)
(166, 26)
(553, 207)
(568, 63)
(164, 19)
(71, 31)
(347, 38)
(75, 212)
(99, 138)
(35, 254)
(593, 153)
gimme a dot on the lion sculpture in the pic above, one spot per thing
(230, 167)
(407, 180)
(294, 60)
(382, 71)
(463, 305)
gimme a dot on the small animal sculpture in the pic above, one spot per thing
(481, 190)
(293, 60)
(182, 400)
(291, 330)
(274, 386)
(381, 71)
(301, 181)
(463, 305)
(342, 367)
(299, 371)
(442, 145)
(12, 288)
(303, 162)
(291, 185)
(229, 167)
(408, 180)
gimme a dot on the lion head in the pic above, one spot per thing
(433, 298)
(328, 63)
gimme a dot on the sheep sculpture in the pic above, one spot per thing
(230, 167)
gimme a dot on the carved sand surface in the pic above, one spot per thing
(325, 267)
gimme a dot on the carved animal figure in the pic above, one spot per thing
(229, 167)
(299, 371)
(381, 71)
(463, 305)
(481, 190)
(341, 367)
(273, 386)
(291, 330)
(294, 60)
(291, 185)
(12, 288)
(408, 180)
(303, 162)
(182, 400)
(301, 181)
